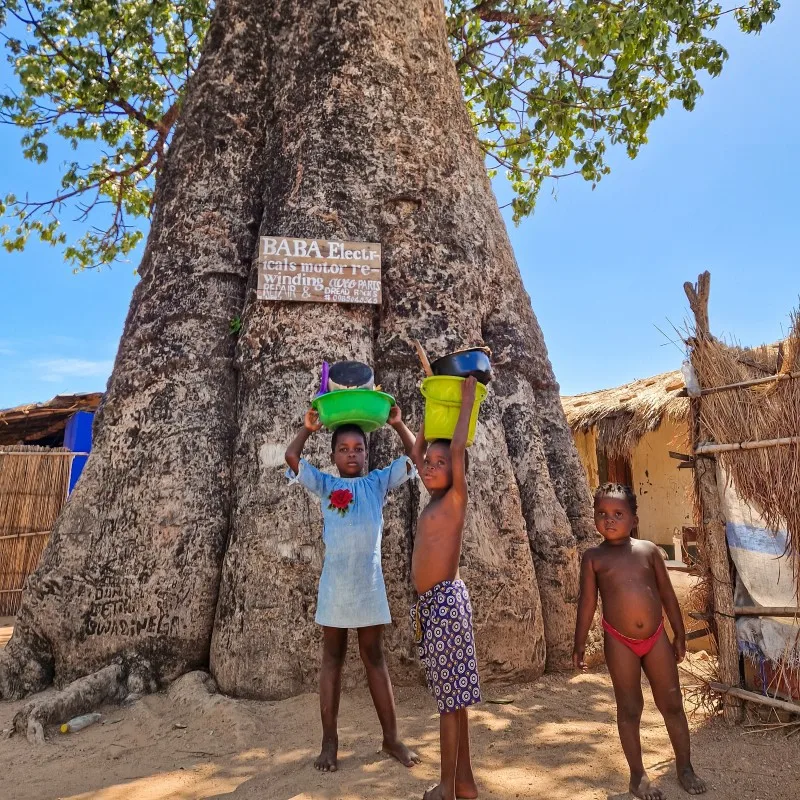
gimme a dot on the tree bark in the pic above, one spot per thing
(132, 567)
(330, 120)
(389, 109)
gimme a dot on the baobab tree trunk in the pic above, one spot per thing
(132, 568)
(379, 148)
(341, 121)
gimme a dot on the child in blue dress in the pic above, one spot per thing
(352, 593)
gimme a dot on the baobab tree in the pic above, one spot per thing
(354, 120)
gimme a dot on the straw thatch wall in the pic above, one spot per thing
(624, 414)
(746, 421)
(33, 489)
(765, 477)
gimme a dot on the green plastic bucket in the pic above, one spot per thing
(363, 407)
(442, 395)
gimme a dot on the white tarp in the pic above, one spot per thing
(765, 578)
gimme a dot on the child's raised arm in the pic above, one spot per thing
(587, 605)
(458, 445)
(406, 437)
(420, 448)
(311, 424)
(670, 602)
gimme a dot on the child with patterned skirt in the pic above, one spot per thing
(636, 591)
(352, 593)
(442, 617)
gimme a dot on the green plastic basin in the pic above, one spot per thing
(363, 407)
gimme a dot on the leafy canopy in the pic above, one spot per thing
(549, 85)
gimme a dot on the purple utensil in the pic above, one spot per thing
(323, 383)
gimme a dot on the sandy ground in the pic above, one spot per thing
(556, 740)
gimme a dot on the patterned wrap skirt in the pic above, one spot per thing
(442, 622)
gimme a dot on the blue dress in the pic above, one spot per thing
(352, 593)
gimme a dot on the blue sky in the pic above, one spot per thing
(714, 189)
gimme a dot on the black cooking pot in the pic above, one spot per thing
(474, 361)
(350, 375)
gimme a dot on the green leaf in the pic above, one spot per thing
(548, 86)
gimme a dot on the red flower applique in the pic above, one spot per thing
(340, 500)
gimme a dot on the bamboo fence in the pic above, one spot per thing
(32, 491)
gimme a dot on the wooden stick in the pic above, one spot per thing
(423, 357)
(10, 591)
(767, 728)
(697, 295)
(23, 535)
(765, 725)
(60, 453)
(707, 449)
(767, 611)
(752, 697)
(712, 518)
(786, 376)
(716, 547)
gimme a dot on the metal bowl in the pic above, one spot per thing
(463, 363)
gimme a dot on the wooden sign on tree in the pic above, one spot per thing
(318, 270)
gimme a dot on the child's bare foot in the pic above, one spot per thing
(398, 750)
(326, 760)
(641, 787)
(466, 789)
(437, 793)
(690, 782)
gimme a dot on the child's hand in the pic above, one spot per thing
(679, 646)
(311, 421)
(577, 660)
(468, 390)
(395, 416)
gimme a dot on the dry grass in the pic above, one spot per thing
(623, 415)
(767, 478)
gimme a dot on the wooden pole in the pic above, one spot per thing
(57, 453)
(23, 535)
(785, 376)
(712, 521)
(716, 549)
(752, 697)
(708, 448)
(767, 611)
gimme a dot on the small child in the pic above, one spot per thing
(635, 590)
(352, 593)
(442, 617)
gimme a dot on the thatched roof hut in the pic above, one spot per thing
(44, 423)
(625, 434)
(624, 414)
